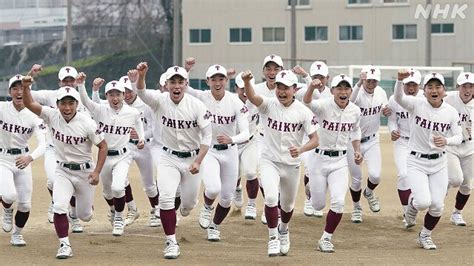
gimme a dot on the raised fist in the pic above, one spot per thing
(26, 81)
(35, 70)
(97, 83)
(299, 70)
(402, 74)
(363, 76)
(142, 68)
(231, 72)
(247, 76)
(316, 84)
(81, 78)
(133, 75)
(189, 63)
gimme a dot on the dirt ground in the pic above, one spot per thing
(380, 239)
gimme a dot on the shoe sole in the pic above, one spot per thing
(356, 221)
(408, 226)
(308, 215)
(172, 257)
(274, 255)
(155, 225)
(203, 226)
(325, 251)
(62, 257)
(459, 224)
(213, 240)
(117, 234)
(248, 217)
(18, 245)
(77, 231)
(7, 231)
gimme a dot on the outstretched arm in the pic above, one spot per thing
(249, 90)
(88, 103)
(27, 98)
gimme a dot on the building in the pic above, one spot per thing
(240, 33)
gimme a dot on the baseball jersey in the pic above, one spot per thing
(370, 107)
(180, 124)
(284, 127)
(227, 116)
(399, 119)
(72, 140)
(427, 122)
(17, 127)
(337, 125)
(464, 110)
(115, 124)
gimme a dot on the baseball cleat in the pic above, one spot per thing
(64, 251)
(172, 250)
(119, 226)
(213, 233)
(250, 211)
(318, 214)
(205, 217)
(410, 216)
(325, 245)
(75, 224)
(456, 218)
(155, 221)
(238, 201)
(356, 215)
(51, 213)
(273, 246)
(7, 219)
(308, 208)
(110, 217)
(426, 242)
(17, 240)
(284, 237)
(263, 219)
(132, 215)
(373, 202)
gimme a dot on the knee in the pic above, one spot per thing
(118, 191)
(151, 191)
(61, 208)
(24, 206)
(436, 209)
(213, 191)
(166, 201)
(271, 200)
(422, 203)
(9, 197)
(85, 216)
(356, 183)
(337, 205)
(187, 205)
(455, 181)
(374, 178)
(225, 202)
(318, 203)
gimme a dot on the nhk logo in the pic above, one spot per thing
(439, 11)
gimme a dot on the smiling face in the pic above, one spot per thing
(115, 99)
(434, 92)
(411, 88)
(217, 84)
(129, 96)
(285, 94)
(466, 92)
(269, 72)
(67, 107)
(342, 93)
(67, 81)
(369, 85)
(16, 92)
(176, 86)
(241, 93)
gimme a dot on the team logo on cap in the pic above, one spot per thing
(176, 68)
(467, 76)
(283, 74)
(217, 67)
(113, 84)
(372, 70)
(67, 89)
(342, 76)
(18, 76)
(434, 75)
(319, 67)
(125, 79)
(272, 56)
(412, 73)
(67, 69)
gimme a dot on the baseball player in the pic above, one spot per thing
(461, 157)
(142, 157)
(433, 125)
(116, 122)
(285, 121)
(186, 134)
(372, 101)
(399, 127)
(73, 135)
(228, 115)
(248, 160)
(339, 120)
(66, 77)
(17, 125)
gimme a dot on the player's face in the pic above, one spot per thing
(67, 107)
(434, 92)
(466, 92)
(68, 81)
(217, 84)
(269, 72)
(129, 96)
(16, 92)
(241, 93)
(285, 94)
(369, 85)
(323, 79)
(115, 98)
(342, 93)
(176, 86)
(411, 88)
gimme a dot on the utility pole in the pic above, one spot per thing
(293, 33)
(428, 35)
(177, 47)
(69, 34)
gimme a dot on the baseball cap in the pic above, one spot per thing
(373, 72)
(14, 79)
(286, 77)
(163, 79)
(465, 77)
(175, 70)
(240, 82)
(336, 80)
(431, 76)
(125, 82)
(68, 91)
(318, 68)
(216, 69)
(114, 85)
(273, 58)
(415, 76)
(67, 71)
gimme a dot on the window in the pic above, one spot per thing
(350, 33)
(442, 28)
(315, 33)
(404, 32)
(199, 35)
(299, 3)
(395, 1)
(358, 2)
(240, 35)
(198, 84)
(273, 34)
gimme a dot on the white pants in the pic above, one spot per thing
(73, 182)
(248, 160)
(428, 181)
(144, 161)
(114, 175)
(279, 179)
(220, 170)
(50, 165)
(16, 185)
(173, 172)
(370, 150)
(401, 151)
(460, 167)
(328, 172)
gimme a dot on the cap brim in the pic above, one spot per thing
(177, 74)
(426, 82)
